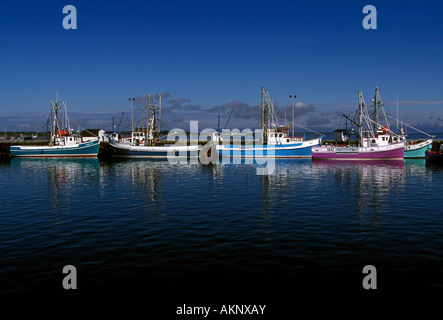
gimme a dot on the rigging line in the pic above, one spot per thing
(141, 121)
(82, 127)
(408, 125)
(322, 134)
(47, 121)
(369, 119)
(161, 122)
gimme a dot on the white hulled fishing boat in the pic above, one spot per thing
(146, 142)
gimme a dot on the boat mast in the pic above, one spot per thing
(148, 125)
(376, 111)
(379, 103)
(264, 116)
(67, 124)
(131, 100)
(293, 126)
(52, 124)
(54, 121)
(159, 113)
(153, 119)
(360, 117)
(396, 130)
(285, 116)
(292, 98)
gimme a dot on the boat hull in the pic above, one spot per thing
(297, 150)
(120, 150)
(389, 152)
(434, 156)
(417, 151)
(81, 150)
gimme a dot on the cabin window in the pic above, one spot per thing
(287, 140)
(373, 140)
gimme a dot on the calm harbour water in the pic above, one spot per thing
(145, 226)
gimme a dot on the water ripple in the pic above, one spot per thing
(163, 223)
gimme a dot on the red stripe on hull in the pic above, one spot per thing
(58, 156)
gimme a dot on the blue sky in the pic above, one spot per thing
(208, 57)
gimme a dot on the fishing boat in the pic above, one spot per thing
(134, 150)
(63, 142)
(146, 140)
(435, 155)
(414, 148)
(272, 140)
(374, 141)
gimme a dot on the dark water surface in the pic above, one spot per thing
(152, 228)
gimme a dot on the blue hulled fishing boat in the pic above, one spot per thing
(417, 149)
(279, 145)
(63, 142)
(71, 150)
(274, 140)
(414, 148)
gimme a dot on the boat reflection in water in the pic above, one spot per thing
(369, 184)
(137, 224)
(137, 182)
(65, 178)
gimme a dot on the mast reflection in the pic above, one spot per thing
(65, 178)
(368, 183)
